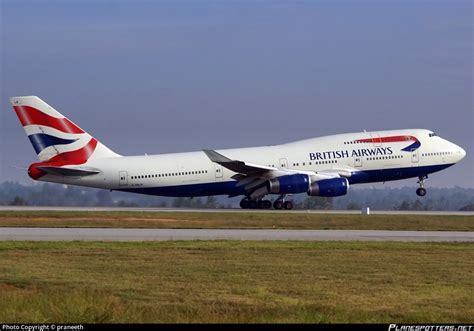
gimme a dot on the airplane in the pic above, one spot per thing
(323, 166)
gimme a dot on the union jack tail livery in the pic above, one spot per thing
(57, 141)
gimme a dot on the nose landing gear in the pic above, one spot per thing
(421, 191)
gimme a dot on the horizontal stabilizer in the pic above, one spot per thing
(67, 171)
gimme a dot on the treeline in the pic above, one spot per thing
(45, 194)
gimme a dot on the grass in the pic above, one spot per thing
(235, 220)
(228, 281)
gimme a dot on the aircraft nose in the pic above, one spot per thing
(460, 152)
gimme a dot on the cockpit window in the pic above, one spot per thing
(432, 134)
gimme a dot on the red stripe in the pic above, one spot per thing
(79, 156)
(32, 116)
(391, 139)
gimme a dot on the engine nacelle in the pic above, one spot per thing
(289, 184)
(333, 187)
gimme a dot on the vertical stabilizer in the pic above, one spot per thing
(54, 137)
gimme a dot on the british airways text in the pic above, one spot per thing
(355, 153)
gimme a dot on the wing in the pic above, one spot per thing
(240, 167)
(254, 176)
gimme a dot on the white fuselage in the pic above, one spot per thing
(363, 157)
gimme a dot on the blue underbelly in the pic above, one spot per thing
(192, 190)
(230, 188)
(385, 175)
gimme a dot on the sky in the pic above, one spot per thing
(176, 76)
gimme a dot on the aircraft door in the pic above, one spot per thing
(218, 171)
(123, 178)
(414, 156)
(358, 161)
(283, 163)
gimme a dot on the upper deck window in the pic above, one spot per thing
(432, 134)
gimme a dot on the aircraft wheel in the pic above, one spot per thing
(288, 205)
(244, 204)
(253, 204)
(278, 204)
(267, 204)
(421, 192)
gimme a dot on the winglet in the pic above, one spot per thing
(216, 157)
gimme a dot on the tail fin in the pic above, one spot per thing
(54, 137)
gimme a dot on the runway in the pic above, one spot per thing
(189, 210)
(101, 234)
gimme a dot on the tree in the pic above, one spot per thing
(405, 205)
(18, 201)
(123, 203)
(104, 198)
(163, 204)
(195, 203)
(178, 202)
(353, 206)
(211, 202)
(417, 205)
(467, 208)
(317, 203)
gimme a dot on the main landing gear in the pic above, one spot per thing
(279, 203)
(421, 191)
(246, 203)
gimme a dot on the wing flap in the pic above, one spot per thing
(336, 172)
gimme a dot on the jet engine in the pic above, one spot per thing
(289, 184)
(301, 183)
(332, 187)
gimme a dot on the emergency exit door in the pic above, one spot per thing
(123, 178)
(414, 156)
(283, 163)
(218, 170)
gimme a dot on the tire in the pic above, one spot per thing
(244, 204)
(267, 204)
(278, 204)
(288, 205)
(253, 204)
(421, 192)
